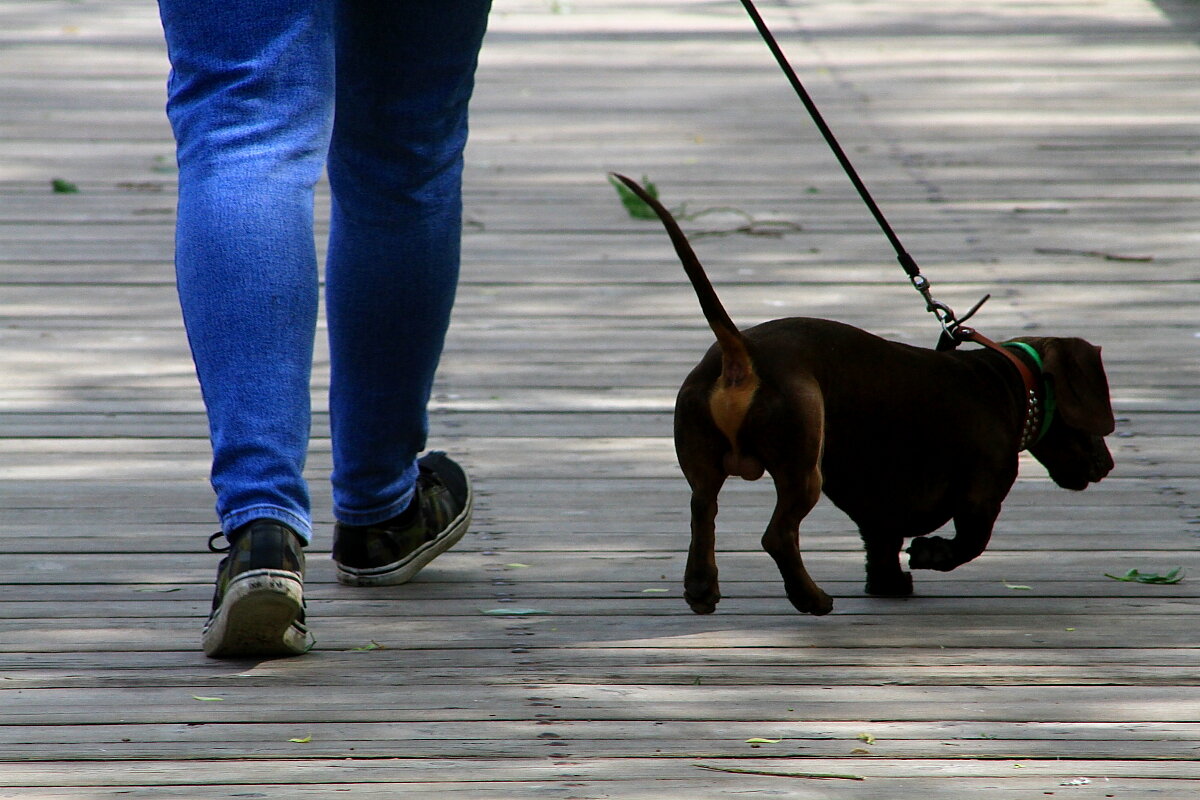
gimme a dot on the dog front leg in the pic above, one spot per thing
(885, 578)
(700, 586)
(972, 531)
(782, 541)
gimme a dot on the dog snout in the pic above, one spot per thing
(1102, 460)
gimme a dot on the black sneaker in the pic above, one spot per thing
(393, 552)
(258, 608)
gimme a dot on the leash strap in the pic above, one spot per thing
(945, 315)
(906, 261)
(1027, 376)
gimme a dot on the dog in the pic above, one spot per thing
(902, 439)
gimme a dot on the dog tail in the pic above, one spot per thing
(736, 368)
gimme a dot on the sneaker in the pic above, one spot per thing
(258, 608)
(393, 552)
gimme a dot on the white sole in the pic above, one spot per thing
(260, 615)
(406, 569)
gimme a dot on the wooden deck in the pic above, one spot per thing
(1045, 152)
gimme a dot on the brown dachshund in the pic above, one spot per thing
(901, 438)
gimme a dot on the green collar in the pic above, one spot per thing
(1047, 407)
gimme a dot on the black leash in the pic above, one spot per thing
(952, 331)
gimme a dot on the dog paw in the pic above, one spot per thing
(932, 552)
(818, 604)
(899, 584)
(703, 602)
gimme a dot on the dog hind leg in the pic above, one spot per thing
(700, 586)
(795, 498)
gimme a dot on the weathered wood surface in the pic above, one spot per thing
(1045, 153)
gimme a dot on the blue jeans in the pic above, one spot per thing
(262, 95)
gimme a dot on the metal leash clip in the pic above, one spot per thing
(953, 332)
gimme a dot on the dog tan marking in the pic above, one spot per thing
(734, 390)
(729, 404)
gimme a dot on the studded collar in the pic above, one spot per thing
(1039, 409)
(1039, 397)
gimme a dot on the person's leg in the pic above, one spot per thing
(250, 102)
(405, 72)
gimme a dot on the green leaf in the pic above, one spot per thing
(203, 699)
(61, 186)
(1134, 576)
(374, 645)
(635, 206)
(303, 740)
(866, 737)
(763, 741)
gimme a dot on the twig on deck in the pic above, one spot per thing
(1064, 251)
(771, 774)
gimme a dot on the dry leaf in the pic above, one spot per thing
(374, 645)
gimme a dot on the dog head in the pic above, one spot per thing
(1073, 449)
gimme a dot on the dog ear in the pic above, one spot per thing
(1080, 385)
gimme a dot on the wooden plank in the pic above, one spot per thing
(757, 629)
(703, 783)
(321, 771)
(707, 783)
(519, 741)
(773, 667)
